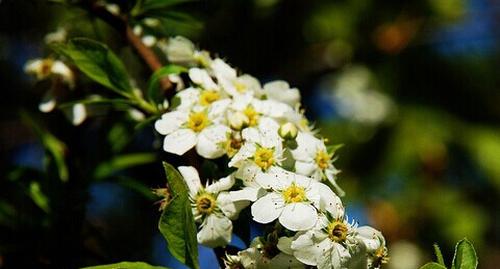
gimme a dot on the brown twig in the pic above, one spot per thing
(120, 24)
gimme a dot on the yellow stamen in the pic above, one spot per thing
(198, 121)
(294, 194)
(264, 158)
(207, 97)
(337, 231)
(232, 146)
(252, 115)
(323, 159)
(205, 203)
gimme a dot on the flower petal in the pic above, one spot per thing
(372, 238)
(267, 208)
(222, 184)
(180, 141)
(230, 208)
(216, 231)
(218, 108)
(274, 178)
(329, 201)
(298, 216)
(191, 177)
(210, 141)
(171, 121)
(307, 251)
(280, 90)
(247, 194)
(201, 77)
(245, 152)
(305, 168)
(189, 97)
(284, 261)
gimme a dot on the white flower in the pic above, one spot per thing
(43, 68)
(59, 35)
(261, 150)
(211, 207)
(280, 91)
(331, 244)
(313, 159)
(374, 243)
(258, 256)
(184, 130)
(201, 78)
(198, 99)
(292, 199)
(149, 40)
(233, 84)
(179, 50)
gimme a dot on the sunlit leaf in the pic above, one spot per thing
(465, 256)
(177, 222)
(122, 162)
(98, 62)
(126, 265)
(38, 197)
(154, 91)
(439, 255)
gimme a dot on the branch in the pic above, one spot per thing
(120, 24)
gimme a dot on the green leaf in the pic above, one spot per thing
(433, 265)
(98, 62)
(55, 147)
(439, 255)
(177, 222)
(38, 196)
(465, 256)
(126, 265)
(121, 162)
(154, 92)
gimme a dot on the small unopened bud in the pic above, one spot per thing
(149, 40)
(238, 121)
(113, 9)
(288, 131)
(152, 22)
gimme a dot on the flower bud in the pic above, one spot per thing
(238, 121)
(288, 131)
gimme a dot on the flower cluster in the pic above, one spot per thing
(282, 170)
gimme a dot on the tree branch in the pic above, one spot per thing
(120, 24)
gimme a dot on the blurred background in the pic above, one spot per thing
(410, 88)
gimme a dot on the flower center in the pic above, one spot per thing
(252, 115)
(264, 158)
(207, 97)
(46, 67)
(294, 194)
(322, 159)
(198, 121)
(232, 146)
(205, 203)
(240, 87)
(337, 231)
